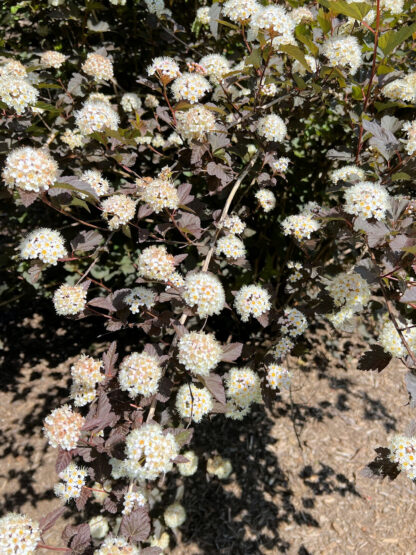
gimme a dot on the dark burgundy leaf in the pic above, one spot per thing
(86, 241)
(49, 520)
(110, 505)
(113, 325)
(218, 140)
(410, 381)
(182, 437)
(367, 270)
(27, 198)
(190, 223)
(409, 296)
(231, 352)
(63, 459)
(381, 466)
(35, 271)
(264, 319)
(81, 501)
(376, 359)
(214, 384)
(110, 359)
(102, 302)
(135, 526)
(118, 298)
(221, 171)
(76, 184)
(144, 211)
(183, 193)
(81, 539)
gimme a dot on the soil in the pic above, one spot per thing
(296, 485)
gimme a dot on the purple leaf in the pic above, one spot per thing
(376, 359)
(49, 520)
(409, 295)
(214, 384)
(410, 381)
(135, 526)
(231, 352)
(81, 539)
(63, 459)
(27, 198)
(81, 501)
(151, 551)
(110, 358)
(183, 193)
(86, 241)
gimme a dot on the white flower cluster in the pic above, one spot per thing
(233, 224)
(276, 24)
(281, 165)
(189, 468)
(269, 89)
(242, 390)
(140, 297)
(86, 373)
(343, 51)
(159, 194)
(282, 347)
(133, 499)
(174, 515)
(278, 377)
(17, 92)
(240, 11)
(157, 7)
(69, 300)
(99, 67)
(410, 128)
(367, 199)
(202, 15)
(391, 341)
(98, 183)
(301, 14)
(118, 210)
(296, 275)
(72, 138)
(217, 466)
(13, 68)
(402, 89)
(165, 69)
(251, 300)
(30, 169)
(204, 290)
(116, 546)
(272, 128)
(300, 225)
(231, 246)
(193, 402)
(99, 527)
(301, 69)
(394, 6)
(19, 534)
(46, 244)
(130, 102)
(151, 101)
(216, 66)
(176, 280)
(349, 289)
(155, 263)
(51, 58)
(403, 452)
(190, 87)
(199, 352)
(73, 480)
(96, 115)
(195, 123)
(149, 452)
(293, 322)
(347, 173)
(139, 374)
(266, 199)
(62, 428)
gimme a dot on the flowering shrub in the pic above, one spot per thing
(176, 189)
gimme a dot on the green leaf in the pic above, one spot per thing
(391, 39)
(357, 93)
(255, 58)
(228, 24)
(307, 41)
(401, 176)
(324, 21)
(295, 52)
(357, 10)
(48, 107)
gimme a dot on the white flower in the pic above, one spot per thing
(149, 452)
(157, 7)
(269, 89)
(159, 194)
(17, 93)
(140, 297)
(402, 89)
(231, 246)
(82, 394)
(282, 347)
(87, 370)
(193, 402)
(204, 290)
(151, 101)
(99, 527)
(275, 23)
(349, 289)
(174, 139)
(243, 387)
(117, 546)
(133, 499)
(190, 87)
(301, 69)
(174, 515)
(216, 66)
(63, 428)
(233, 224)
(219, 467)
(46, 244)
(195, 123)
(266, 199)
(302, 14)
(118, 210)
(30, 169)
(394, 6)
(98, 183)
(403, 452)
(72, 139)
(19, 534)
(51, 58)
(391, 341)
(99, 67)
(368, 200)
(130, 102)
(69, 299)
(240, 11)
(278, 377)
(293, 322)
(13, 68)
(96, 115)
(251, 300)
(343, 51)
(202, 15)
(73, 480)
(300, 225)
(281, 165)
(347, 173)
(139, 374)
(410, 129)
(188, 468)
(199, 352)
(272, 128)
(165, 69)
(155, 263)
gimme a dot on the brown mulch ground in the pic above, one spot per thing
(281, 497)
